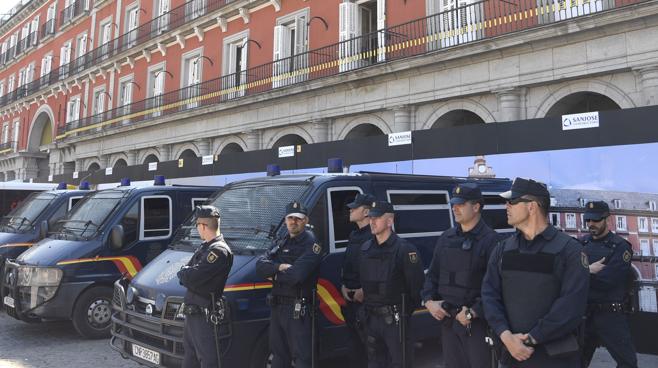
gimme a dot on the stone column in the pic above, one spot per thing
(132, 157)
(320, 130)
(79, 165)
(253, 139)
(204, 145)
(649, 83)
(165, 152)
(403, 118)
(104, 161)
(510, 104)
(30, 169)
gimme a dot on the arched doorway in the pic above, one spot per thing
(120, 163)
(151, 158)
(363, 130)
(94, 167)
(188, 154)
(457, 118)
(289, 140)
(40, 136)
(580, 102)
(231, 148)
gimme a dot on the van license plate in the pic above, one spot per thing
(146, 354)
(9, 301)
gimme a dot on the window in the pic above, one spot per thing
(652, 205)
(642, 224)
(339, 215)
(495, 212)
(65, 59)
(192, 64)
(420, 213)
(356, 20)
(132, 22)
(46, 65)
(647, 296)
(22, 77)
(655, 247)
(130, 223)
(80, 50)
(98, 104)
(654, 225)
(73, 109)
(25, 33)
(2, 88)
(73, 201)
(162, 13)
(195, 9)
(554, 218)
(10, 85)
(570, 219)
(290, 45)
(156, 86)
(644, 247)
(583, 224)
(616, 203)
(621, 223)
(34, 31)
(5, 133)
(16, 130)
(235, 63)
(49, 27)
(3, 52)
(29, 73)
(156, 218)
(105, 37)
(583, 202)
(126, 94)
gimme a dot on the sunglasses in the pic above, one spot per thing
(518, 200)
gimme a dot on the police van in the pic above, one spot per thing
(147, 325)
(109, 234)
(34, 217)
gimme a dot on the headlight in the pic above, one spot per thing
(39, 276)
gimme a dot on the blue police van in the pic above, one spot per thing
(34, 217)
(147, 325)
(111, 233)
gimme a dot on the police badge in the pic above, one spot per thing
(317, 248)
(583, 260)
(413, 257)
(212, 257)
(627, 256)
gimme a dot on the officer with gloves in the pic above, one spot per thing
(391, 275)
(452, 285)
(204, 276)
(292, 264)
(535, 290)
(610, 270)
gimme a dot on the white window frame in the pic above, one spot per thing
(570, 221)
(71, 199)
(5, 132)
(98, 101)
(156, 77)
(645, 228)
(655, 247)
(228, 67)
(583, 224)
(620, 223)
(16, 129)
(46, 65)
(557, 223)
(654, 225)
(11, 84)
(141, 218)
(2, 88)
(285, 48)
(645, 247)
(131, 23)
(330, 218)
(616, 204)
(652, 206)
(73, 101)
(188, 61)
(412, 207)
(160, 8)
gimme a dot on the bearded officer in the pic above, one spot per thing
(454, 278)
(610, 270)
(390, 268)
(204, 276)
(292, 264)
(535, 290)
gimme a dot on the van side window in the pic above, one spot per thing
(73, 201)
(339, 215)
(420, 213)
(130, 222)
(156, 218)
(495, 213)
(58, 215)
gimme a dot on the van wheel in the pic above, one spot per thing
(92, 313)
(261, 358)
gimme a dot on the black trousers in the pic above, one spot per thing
(290, 339)
(355, 321)
(199, 343)
(540, 359)
(383, 343)
(611, 330)
(461, 350)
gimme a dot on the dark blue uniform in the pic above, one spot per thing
(607, 323)
(204, 274)
(352, 311)
(290, 332)
(455, 276)
(387, 271)
(538, 287)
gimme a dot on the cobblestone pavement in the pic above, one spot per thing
(56, 344)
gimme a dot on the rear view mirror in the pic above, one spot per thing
(116, 237)
(43, 229)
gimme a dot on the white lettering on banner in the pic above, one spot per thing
(108, 171)
(580, 121)
(398, 139)
(287, 151)
(207, 160)
(153, 166)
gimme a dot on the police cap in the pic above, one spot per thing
(596, 210)
(362, 200)
(466, 192)
(521, 187)
(379, 208)
(295, 209)
(206, 211)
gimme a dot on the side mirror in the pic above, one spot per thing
(116, 237)
(43, 229)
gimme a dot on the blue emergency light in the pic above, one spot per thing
(125, 182)
(158, 180)
(273, 170)
(335, 165)
(84, 185)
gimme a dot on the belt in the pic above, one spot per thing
(384, 310)
(191, 309)
(282, 300)
(606, 307)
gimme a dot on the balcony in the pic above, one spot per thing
(72, 12)
(48, 29)
(7, 148)
(482, 20)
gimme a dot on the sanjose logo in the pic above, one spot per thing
(580, 121)
(398, 139)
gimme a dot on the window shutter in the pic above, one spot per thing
(381, 27)
(82, 46)
(301, 35)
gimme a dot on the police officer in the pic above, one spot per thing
(389, 268)
(204, 276)
(351, 285)
(453, 281)
(535, 290)
(292, 265)
(610, 270)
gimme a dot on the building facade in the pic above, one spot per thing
(93, 84)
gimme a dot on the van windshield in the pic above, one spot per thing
(87, 216)
(251, 215)
(23, 216)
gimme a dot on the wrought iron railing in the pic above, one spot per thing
(7, 147)
(73, 11)
(48, 28)
(471, 23)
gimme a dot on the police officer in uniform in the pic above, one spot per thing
(390, 267)
(535, 290)
(292, 265)
(610, 270)
(351, 285)
(204, 276)
(453, 281)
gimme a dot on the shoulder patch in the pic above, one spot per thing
(627, 256)
(413, 257)
(212, 257)
(317, 248)
(583, 260)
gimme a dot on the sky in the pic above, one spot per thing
(5, 5)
